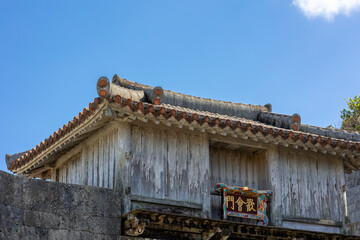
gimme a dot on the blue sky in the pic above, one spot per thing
(281, 52)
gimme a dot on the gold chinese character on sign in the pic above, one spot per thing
(230, 199)
(250, 205)
(240, 203)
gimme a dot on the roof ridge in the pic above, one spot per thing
(159, 96)
(329, 132)
(123, 82)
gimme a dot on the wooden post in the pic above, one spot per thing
(122, 164)
(272, 156)
(206, 208)
(53, 174)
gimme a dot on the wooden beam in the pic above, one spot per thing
(37, 172)
(239, 142)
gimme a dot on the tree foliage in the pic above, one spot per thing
(351, 116)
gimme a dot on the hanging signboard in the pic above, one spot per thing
(244, 202)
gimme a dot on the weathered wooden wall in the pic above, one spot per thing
(353, 202)
(96, 161)
(145, 163)
(162, 166)
(306, 185)
(170, 165)
(236, 168)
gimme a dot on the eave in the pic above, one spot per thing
(91, 119)
(236, 128)
(232, 128)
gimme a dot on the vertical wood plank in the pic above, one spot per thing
(322, 182)
(242, 180)
(96, 164)
(106, 161)
(136, 160)
(60, 175)
(182, 159)
(111, 159)
(194, 180)
(90, 165)
(235, 161)
(173, 177)
(340, 176)
(276, 167)
(73, 168)
(163, 192)
(67, 175)
(118, 161)
(124, 160)
(332, 189)
(101, 162)
(157, 164)
(84, 160)
(147, 186)
(63, 180)
(313, 210)
(205, 172)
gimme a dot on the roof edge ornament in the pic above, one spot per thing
(155, 95)
(129, 84)
(106, 89)
(11, 158)
(282, 121)
(269, 107)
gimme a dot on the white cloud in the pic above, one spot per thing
(327, 9)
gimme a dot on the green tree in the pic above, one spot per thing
(351, 117)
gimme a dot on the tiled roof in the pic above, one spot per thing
(318, 138)
(223, 121)
(26, 157)
(262, 114)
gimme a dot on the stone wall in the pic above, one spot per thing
(353, 202)
(36, 209)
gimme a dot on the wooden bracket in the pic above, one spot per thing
(41, 172)
(208, 234)
(134, 226)
(216, 234)
(222, 235)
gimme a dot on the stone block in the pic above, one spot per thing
(30, 233)
(71, 234)
(6, 188)
(53, 201)
(21, 232)
(36, 209)
(100, 225)
(46, 220)
(10, 216)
